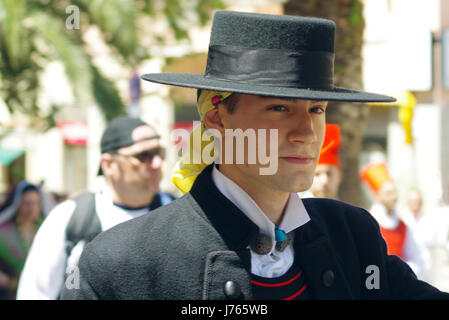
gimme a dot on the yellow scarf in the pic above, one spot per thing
(185, 172)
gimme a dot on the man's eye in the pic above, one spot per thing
(278, 108)
(318, 109)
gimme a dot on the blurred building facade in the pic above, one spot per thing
(403, 56)
(406, 54)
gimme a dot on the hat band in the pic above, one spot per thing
(274, 67)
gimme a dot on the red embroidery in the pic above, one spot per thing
(297, 293)
(277, 284)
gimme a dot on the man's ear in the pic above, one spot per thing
(339, 175)
(213, 120)
(105, 163)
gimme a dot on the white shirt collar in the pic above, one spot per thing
(379, 212)
(110, 214)
(295, 213)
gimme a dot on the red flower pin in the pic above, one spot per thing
(216, 100)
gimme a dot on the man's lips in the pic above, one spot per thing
(298, 159)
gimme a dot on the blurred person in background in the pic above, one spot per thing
(2, 198)
(328, 174)
(433, 232)
(59, 197)
(415, 205)
(131, 163)
(400, 238)
(20, 216)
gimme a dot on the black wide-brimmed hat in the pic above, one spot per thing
(270, 55)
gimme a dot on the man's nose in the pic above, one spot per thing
(323, 178)
(155, 162)
(303, 130)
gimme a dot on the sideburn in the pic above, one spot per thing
(231, 102)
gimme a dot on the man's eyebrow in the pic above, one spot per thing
(289, 99)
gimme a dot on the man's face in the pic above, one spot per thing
(138, 167)
(300, 125)
(326, 182)
(414, 202)
(388, 195)
(30, 206)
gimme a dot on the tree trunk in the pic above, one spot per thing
(351, 117)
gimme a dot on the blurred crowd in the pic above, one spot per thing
(419, 238)
(21, 214)
(423, 241)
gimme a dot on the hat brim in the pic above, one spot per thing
(199, 81)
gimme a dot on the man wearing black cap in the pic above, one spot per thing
(241, 231)
(131, 163)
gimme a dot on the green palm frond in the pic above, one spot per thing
(13, 38)
(181, 14)
(106, 96)
(34, 33)
(176, 15)
(71, 54)
(205, 7)
(117, 21)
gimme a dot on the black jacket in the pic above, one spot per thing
(190, 248)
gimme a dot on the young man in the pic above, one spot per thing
(241, 231)
(415, 206)
(399, 237)
(131, 164)
(433, 231)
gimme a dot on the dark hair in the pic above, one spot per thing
(30, 187)
(10, 196)
(231, 102)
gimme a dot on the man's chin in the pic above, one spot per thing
(153, 187)
(297, 187)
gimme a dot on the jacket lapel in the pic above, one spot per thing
(225, 268)
(317, 256)
(235, 228)
(313, 248)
